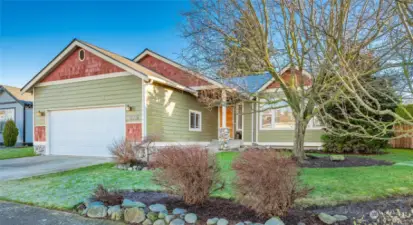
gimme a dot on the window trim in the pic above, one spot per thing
(84, 55)
(200, 120)
(274, 125)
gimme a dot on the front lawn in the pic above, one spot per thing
(331, 185)
(10, 153)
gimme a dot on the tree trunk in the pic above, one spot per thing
(298, 148)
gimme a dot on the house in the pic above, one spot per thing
(17, 107)
(87, 97)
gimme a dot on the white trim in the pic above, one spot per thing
(256, 122)
(204, 87)
(289, 144)
(84, 55)
(166, 60)
(68, 50)
(252, 121)
(242, 117)
(81, 79)
(200, 120)
(87, 107)
(161, 144)
(143, 116)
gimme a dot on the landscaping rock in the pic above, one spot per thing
(84, 212)
(162, 215)
(169, 218)
(97, 211)
(152, 216)
(179, 211)
(130, 168)
(177, 222)
(95, 203)
(87, 201)
(145, 168)
(115, 212)
(212, 221)
(147, 222)
(132, 204)
(159, 222)
(300, 223)
(327, 219)
(274, 221)
(222, 222)
(337, 157)
(191, 218)
(247, 222)
(240, 223)
(157, 208)
(340, 217)
(134, 215)
(258, 224)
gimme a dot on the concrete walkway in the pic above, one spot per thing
(17, 214)
(39, 165)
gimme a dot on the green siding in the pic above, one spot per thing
(287, 135)
(247, 123)
(168, 116)
(104, 92)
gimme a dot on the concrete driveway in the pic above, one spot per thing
(38, 165)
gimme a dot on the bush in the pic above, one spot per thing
(336, 144)
(190, 172)
(267, 182)
(124, 152)
(10, 133)
(108, 198)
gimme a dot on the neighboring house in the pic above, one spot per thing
(87, 97)
(17, 107)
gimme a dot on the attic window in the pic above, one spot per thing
(81, 55)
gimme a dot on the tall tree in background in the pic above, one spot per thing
(329, 39)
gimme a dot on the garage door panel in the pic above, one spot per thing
(85, 132)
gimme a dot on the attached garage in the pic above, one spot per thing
(85, 132)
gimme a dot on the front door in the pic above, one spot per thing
(229, 118)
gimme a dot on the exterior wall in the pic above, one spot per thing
(72, 67)
(247, 126)
(29, 125)
(168, 116)
(171, 72)
(7, 102)
(125, 90)
(288, 79)
(287, 136)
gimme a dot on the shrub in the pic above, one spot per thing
(347, 144)
(124, 152)
(108, 198)
(10, 133)
(190, 172)
(267, 182)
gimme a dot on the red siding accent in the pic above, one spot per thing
(288, 78)
(134, 131)
(40, 133)
(72, 67)
(171, 72)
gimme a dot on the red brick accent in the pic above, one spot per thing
(72, 67)
(134, 131)
(40, 133)
(288, 78)
(171, 72)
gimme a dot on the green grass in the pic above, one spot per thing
(331, 185)
(10, 153)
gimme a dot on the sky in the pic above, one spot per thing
(33, 32)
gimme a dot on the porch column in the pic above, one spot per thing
(224, 109)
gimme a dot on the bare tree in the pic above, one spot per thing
(339, 42)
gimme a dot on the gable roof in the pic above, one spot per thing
(250, 83)
(149, 52)
(285, 69)
(14, 92)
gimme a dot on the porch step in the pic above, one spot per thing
(215, 145)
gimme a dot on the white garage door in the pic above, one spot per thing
(85, 132)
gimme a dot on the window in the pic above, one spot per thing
(239, 116)
(5, 114)
(81, 55)
(281, 117)
(195, 120)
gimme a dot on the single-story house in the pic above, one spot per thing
(17, 107)
(87, 97)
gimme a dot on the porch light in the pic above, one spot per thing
(128, 108)
(39, 113)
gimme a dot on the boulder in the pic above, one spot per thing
(97, 211)
(162, 215)
(300, 223)
(178, 211)
(87, 201)
(159, 222)
(169, 218)
(157, 208)
(337, 157)
(152, 216)
(115, 212)
(212, 221)
(247, 222)
(134, 215)
(327, 219)
(127, 203)
(191, 218)
(147, 222)
(274, 221)
(222, 221)
(340, 217)
(240, 223)
(177, 221)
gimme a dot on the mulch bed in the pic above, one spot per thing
(235, 212)
(349, 161)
